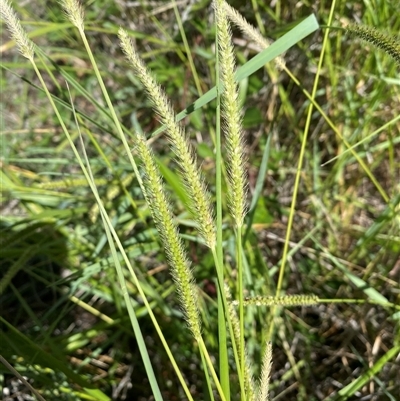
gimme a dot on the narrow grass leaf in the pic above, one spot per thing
(175, 182)
(371, 292)
(262, 172)
(348, 391)
(298, 33)
(65, 104)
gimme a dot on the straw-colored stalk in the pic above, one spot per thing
(198, 194)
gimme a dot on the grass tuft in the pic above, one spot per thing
(88, 308)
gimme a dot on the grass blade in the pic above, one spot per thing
(298, 33)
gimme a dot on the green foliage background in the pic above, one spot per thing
(64, 321)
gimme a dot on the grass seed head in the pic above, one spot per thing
(24, 44)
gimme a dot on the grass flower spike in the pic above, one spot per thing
(200, 200)
(389, 44)
(160, 209)
(232, 116)
(263, 394)
(74, 12)
(24, 44)
(232, 126)
(288, 300)
(251, 32)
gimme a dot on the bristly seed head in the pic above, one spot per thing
(24, 44)
(232, 116)
(198, 194)
(74, 12)
(389, 44)
(251, 32)
(176, 255)
(287, 300)
(263, 394)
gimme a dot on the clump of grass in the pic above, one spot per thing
(159, 205)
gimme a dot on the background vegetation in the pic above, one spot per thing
(63, 317)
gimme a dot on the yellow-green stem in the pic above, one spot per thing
(227, 320)
(298, 174)
(239, 261)
(212, 370)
